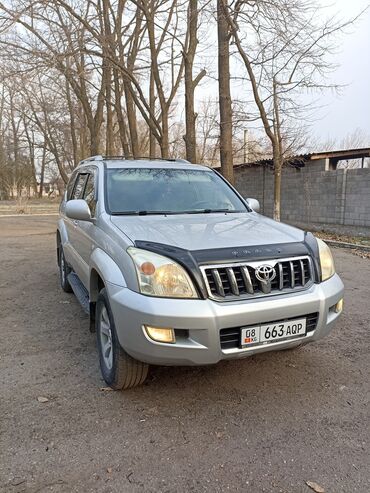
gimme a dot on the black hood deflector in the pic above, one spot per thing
(191, 260)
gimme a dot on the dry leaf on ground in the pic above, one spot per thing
(315, 487)
(42, 399)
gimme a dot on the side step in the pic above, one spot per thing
(80, 291)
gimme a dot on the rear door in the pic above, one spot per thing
(73, 226)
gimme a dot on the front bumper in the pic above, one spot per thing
(203, 319)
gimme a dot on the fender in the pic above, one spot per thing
(62, 232)
(61, 237)
(107, 269)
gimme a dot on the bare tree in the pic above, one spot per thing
(117, 76)
(223, 30)
(191, 83)
(284, 48)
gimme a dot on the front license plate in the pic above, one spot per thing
(267, 333)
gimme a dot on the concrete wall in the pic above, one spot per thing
(337, 200)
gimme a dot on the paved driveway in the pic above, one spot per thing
(265, 424)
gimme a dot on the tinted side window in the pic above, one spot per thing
(70, 185)
(79, 186)
(89, 194)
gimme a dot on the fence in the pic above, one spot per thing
(337, 200)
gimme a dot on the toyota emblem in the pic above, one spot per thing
(265, 273)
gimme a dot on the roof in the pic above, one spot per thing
(157, 164)
(300, 160)
(342, 154)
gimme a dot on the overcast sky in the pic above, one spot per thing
(339, 114)
(351, 110)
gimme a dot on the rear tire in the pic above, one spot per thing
(119, 369)
(64, 270)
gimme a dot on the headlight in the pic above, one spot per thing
(161, 276)
(326, 260)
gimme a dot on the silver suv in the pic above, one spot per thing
(174, 267)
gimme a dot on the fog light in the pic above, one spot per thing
(339, 306)
(161, 334)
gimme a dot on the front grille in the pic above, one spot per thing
(230, 338)
(239, 280)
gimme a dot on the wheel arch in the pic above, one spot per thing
(103, 267)
(59, 242)
(61, 236)
(97, 283)
(103, 270)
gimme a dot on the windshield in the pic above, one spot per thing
(169, 191)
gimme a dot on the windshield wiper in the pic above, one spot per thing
(159, 213)
(142, 213)
(207, 211)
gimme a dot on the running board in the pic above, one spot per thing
(80, 291)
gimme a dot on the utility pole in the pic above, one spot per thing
(246, 145)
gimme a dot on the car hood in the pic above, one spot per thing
(207, 231)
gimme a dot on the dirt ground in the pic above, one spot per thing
(264, 424)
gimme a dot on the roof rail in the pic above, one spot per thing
(103, 158)
(92, 158)
(145, 158)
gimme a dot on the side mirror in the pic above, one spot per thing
(254, 204)
(78, 209)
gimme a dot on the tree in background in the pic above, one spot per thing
(284, 48)
(224, 96)
(122, 77)
(189, 52)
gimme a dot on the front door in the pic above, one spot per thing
(86, 229)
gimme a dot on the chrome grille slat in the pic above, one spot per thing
(218, 282)
(303, 277)
(292, 278)
(247, 280)
(281, 281)
(238, 280)
(232, 280)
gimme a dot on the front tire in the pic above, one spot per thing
(119, 369)
(64, 270)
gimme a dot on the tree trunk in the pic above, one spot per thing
(152, 139)
(226, 156)
(190, 117)
(42, 173)
(83, 134)
(71, 110)
(131, 117)
(164, 139)
(277, 153)
(277, 183)
(108, 108)
(120, 116)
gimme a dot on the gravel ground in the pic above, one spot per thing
(264, 424)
